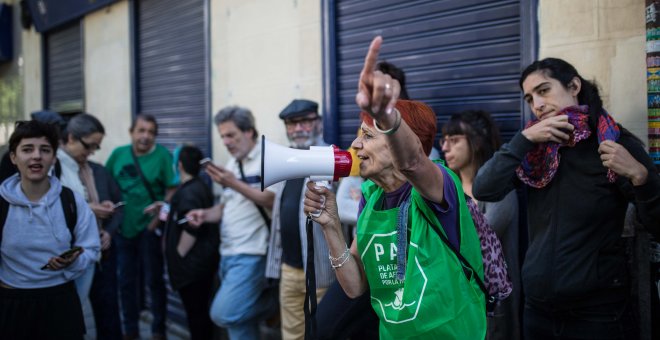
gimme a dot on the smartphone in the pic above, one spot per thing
(66, 254)
(118, 204)
(206, 161)
(70, 252)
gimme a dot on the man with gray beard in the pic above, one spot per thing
(287, 251)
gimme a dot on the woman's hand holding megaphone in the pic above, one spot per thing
(321, 204)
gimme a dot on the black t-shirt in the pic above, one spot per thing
(290, 223)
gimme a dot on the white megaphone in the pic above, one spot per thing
(320, 163)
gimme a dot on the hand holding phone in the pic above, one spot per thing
(66, 256)
(118, 204)
(208, 163)
(205, 161)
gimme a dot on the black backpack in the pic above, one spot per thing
(68, 206)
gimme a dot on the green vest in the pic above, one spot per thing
(435, 300)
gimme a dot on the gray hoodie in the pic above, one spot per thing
(35, 232)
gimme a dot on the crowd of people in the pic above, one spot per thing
(397, 252)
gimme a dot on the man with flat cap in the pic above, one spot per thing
(287, 251)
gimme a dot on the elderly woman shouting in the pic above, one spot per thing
(411, 215)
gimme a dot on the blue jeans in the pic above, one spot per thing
(243, 298)
(144, 252)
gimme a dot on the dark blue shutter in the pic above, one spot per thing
(457, 55)
(172, 82)
(63, 71)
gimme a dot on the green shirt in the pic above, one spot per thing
(435, 300)
(157, 168)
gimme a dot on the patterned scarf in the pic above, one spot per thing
(540, 165)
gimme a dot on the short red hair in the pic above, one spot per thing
(419, 116)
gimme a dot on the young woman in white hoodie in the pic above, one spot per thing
(38, 299)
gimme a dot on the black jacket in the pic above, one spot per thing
(576, 255)
(108, 190)
(201, 262)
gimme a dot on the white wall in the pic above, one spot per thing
(605, 41)
(31, 70)
(107, 73)
(264, 54)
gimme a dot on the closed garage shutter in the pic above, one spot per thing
(457, 55)
(172, 83)
(63, 69)
(172, 70)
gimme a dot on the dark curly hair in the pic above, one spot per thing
(33, 129)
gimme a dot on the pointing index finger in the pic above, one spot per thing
(372, 56)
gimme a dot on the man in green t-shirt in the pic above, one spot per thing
(138, 239)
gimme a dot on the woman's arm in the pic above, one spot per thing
(87, 237)
(377, 95)
(630, 160)
(497, 177)
(350, 273)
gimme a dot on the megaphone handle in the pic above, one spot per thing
(320, 184)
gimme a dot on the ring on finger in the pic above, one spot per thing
(388, 86)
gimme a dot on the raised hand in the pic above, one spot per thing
(554, 129)
(377, 92)
(614, 156)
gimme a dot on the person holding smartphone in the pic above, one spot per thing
(97, 288)
(39, 303)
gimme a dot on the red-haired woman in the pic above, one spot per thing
(412, 212)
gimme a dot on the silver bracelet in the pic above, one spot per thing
(341, 257)
(339, 265)
(392, 130)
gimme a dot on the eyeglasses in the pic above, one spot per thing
(89, 146)
(306, 123)
(452, 140)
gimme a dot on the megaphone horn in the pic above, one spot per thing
(280, 163)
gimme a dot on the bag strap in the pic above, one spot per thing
(262, 212)
(468, 270)
(4, 210)
(70, 210)
(309, 307)
(141, 174)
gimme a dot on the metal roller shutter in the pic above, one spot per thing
(63, 70)
(172, 82)
(457, 55)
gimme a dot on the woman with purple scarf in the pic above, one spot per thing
(580, 169)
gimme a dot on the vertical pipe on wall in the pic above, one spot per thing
(330, 113)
